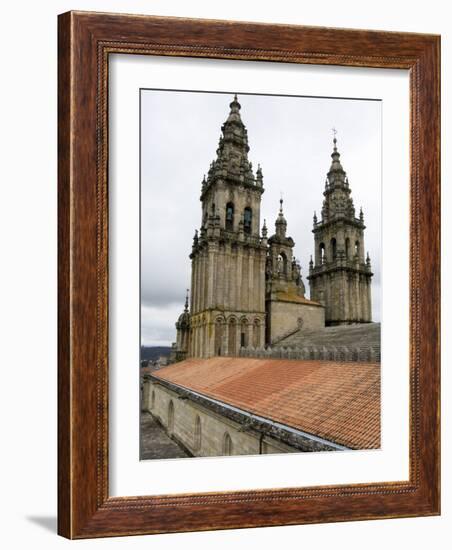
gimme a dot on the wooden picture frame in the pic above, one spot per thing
(85, 42)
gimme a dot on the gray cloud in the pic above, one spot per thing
(290, 137)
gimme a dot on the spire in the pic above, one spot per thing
(338, 202)
(186, 302)
(232, 164)
(264, 229)
(234, 114)
(281, 223)
(259, 176)
(336, 165)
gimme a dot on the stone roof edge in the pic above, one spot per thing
(286, 434)
(305, 301)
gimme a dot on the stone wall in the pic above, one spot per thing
(203, 432)
(205, 427)
(367, 354)
(285, 317)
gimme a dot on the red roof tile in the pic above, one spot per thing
(336, 401)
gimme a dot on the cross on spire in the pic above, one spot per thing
(334, 137)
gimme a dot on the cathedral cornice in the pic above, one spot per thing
(285, 241)
(338, 220)
(335, 267)
(228, 180)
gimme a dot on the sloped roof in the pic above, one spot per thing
(293, 297)
(336, 401)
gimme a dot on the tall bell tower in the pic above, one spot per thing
(340, 276)
(227, 305)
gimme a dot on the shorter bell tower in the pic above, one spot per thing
(287, 308)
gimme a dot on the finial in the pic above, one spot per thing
(281, 203)
(186, 301)
(368, 259)
(259, 177)
(264, 229)
(361, 214)
(235, 105)
(315, 217)
(311, 263)
(334, 137)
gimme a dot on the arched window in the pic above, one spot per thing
(229, 216)
(218, 336)
(170, 417)
(247, 220)
(282, 264)
(357, 248)
(333, 248)
(244, 333)
(322, 253)
(197, 434)
(153, 399)
(347, 247)
(232, 337)
(227, 445)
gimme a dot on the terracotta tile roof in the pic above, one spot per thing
(292, 297)
(336, 401)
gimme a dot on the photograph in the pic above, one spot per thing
(260, 285)
(249, 259)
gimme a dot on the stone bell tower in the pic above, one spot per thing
(283, 272)
(227, 306)
(288, 310)
(340, 276)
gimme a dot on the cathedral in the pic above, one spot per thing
(247, 290)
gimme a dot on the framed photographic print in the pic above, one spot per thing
(248, 274)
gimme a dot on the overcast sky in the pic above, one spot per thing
(291, 138)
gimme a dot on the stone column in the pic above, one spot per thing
(193, 342)
(238, 281)
(219, 294)
(202, 280)
(192, 285)
(212, 253)
(225, 340)
(249, 341)
(358, 305)
(237, 337)
(369, 299)
(363, 297)
(202, 340)
(345, 296)
(195, 287)
(251, 287)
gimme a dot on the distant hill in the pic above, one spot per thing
(153, 353)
